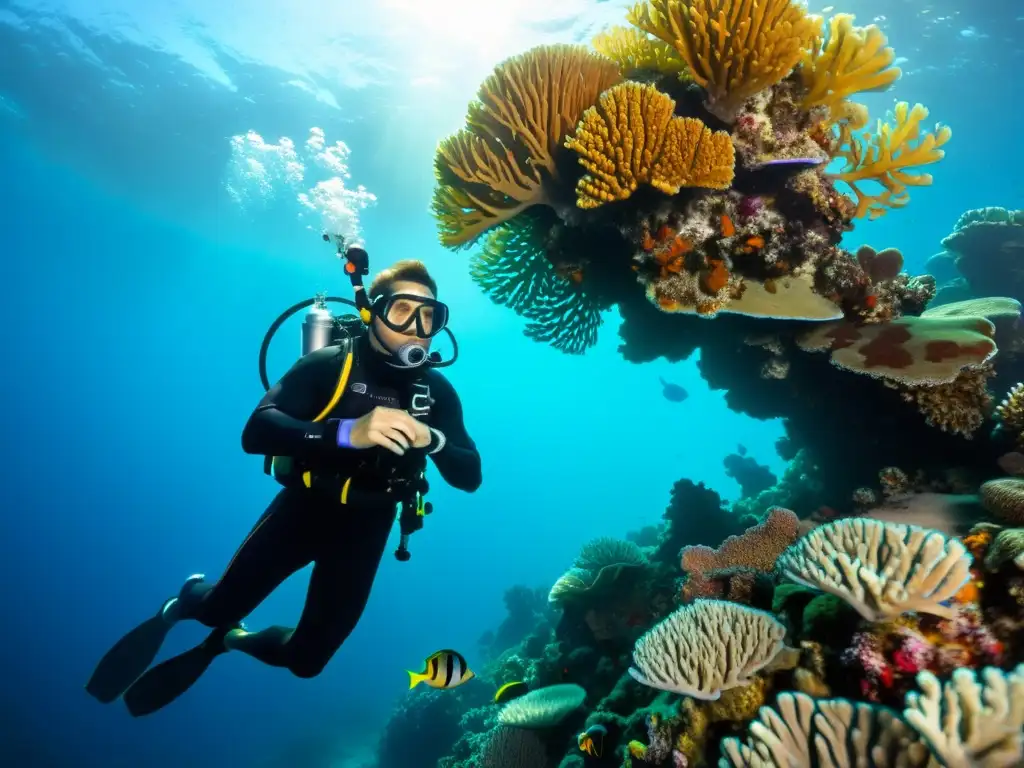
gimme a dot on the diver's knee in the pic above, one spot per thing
(307, 668)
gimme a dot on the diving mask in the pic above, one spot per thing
(401, 311)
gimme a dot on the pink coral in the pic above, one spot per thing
(914, 653)
(888, 656)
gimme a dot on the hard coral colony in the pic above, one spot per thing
(700, 167)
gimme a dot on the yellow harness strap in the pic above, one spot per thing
(339, 391)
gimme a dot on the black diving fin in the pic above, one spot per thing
(130, 657)
(169, 679)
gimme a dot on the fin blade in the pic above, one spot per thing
(415, 679)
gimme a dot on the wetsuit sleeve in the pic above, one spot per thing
(457, 458)
(282, 424)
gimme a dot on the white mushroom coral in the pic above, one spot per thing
(881, 569)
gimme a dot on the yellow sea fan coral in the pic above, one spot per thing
(630, 138)
(886, 156)
(849, 60)
(501, 162)
(633, 50)
(734, 48)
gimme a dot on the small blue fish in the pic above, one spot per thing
(673, 392)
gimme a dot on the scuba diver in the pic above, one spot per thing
(346, 432)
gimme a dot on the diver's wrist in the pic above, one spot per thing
(345, 426)
(437, 440)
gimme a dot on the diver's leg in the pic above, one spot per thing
(279, 545)
(347, 556)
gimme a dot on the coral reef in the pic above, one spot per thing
(701, 169)
(877, 637)
(681, 169)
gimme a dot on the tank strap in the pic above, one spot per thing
(339, 389)
(276, 465)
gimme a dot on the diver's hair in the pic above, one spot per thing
(411, 270)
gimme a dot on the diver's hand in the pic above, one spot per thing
(389, 428)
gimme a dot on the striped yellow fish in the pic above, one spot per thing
(443, 669)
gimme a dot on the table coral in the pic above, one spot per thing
(910, 350)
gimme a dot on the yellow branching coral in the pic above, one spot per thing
(499, 164)
(849, 60)
(887, 156)
(634, 50)
(734, 48)
(631, 137)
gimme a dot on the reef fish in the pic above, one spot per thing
(673, 392)
(510, 691)
(443, 669)
(591, 740)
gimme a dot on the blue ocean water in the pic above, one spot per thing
(135, 292)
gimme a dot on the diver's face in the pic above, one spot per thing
(399, 313)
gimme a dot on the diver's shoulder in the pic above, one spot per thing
(325, 358)
(436, 378)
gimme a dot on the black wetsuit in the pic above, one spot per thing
(345, 542)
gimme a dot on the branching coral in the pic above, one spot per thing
(908, 350)
(707, 647)
(968, 722)
(848, 60)
(881, 569)
(959, 724)
(501, 162)
(632, 138)
(887, 156)
(734, 48)
(633, 50)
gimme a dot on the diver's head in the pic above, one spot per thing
(406, 313)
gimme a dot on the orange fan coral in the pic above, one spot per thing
(499, 164)
(887, 156)
(631, 137)
(734, 48)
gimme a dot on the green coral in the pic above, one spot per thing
(514, 270)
